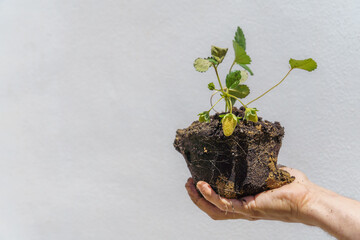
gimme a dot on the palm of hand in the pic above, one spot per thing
(284, 203)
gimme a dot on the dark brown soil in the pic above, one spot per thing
(242, 164)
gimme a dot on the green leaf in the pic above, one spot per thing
(306, 64)
(240, 38)
(235, 78)
(211, 86)
(240, 55)
(246, 67)
(204, 117)
(229, 122)
(232, 77)
(244, 76)
(218, 53)
(240, 91)
(212, 60)
(202, 65)
(251, 115)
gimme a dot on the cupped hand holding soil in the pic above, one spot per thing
(300, 201)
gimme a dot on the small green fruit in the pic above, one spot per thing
(229, 123)
(251, 115)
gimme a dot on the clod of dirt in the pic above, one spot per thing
(242, 164)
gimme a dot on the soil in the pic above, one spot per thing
(242, 164)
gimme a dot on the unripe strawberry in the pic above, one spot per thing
(229, 122)
(251, 115)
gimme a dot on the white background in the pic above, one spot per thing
(92, 92)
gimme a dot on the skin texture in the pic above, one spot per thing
(300, 201)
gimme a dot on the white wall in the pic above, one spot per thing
(92, 92)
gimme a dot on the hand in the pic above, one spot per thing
(300, 201)
(285, 203)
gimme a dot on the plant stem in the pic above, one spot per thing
(230, 105)
(238, 100)
(217, 75)
(270, 88)
(232, 66)
(212, 106)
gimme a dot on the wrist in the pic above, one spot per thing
(331, 212)
(315, 206)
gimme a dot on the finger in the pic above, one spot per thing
(199, 201)
(223, 204)
(210, 209)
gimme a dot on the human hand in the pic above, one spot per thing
(287, 203)
(300, 201)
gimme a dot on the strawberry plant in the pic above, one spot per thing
(234, 88)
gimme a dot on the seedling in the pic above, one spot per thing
(235, 89)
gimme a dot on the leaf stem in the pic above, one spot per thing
(217, 75)
(270, 88)
(230, 105)
(212, 95)
(238, 100)
(212, 106)
(232, 66)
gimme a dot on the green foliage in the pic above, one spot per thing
(212, 60)
(202, 65)
(232, 78)
(240, 91)
(204, 116)
(233, 83)
(246, 67)
(306, 64)
(240, 38)
(218, 53)
(211, 86)
(251, 115)
(235, 90)
(240, 55)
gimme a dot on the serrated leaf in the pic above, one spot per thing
(235, 78)
(240, 38)
(202, 65)
(306, 64)
(204, 116)
(240, 91)
(246, 67)
(211, 86)
(218, 53)
(229, 122)
(240, 55)
(232, 77)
